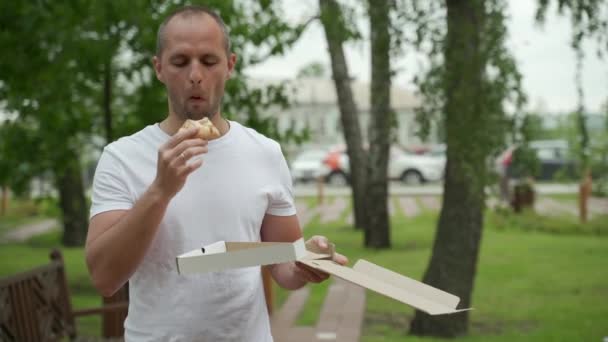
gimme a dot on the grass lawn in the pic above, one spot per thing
(531, 285)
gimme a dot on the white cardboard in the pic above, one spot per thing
(393, 285)
(225, 255)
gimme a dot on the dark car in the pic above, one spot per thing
(553, 157)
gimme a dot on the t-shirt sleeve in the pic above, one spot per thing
(281, 199)
(110, 190)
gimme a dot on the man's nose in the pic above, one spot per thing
(196, 73)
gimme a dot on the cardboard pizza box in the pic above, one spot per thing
(226, 255)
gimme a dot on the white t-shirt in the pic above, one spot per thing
(243, 177)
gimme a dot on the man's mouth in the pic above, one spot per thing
(196, 98)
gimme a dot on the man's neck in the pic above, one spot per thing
(172, 124)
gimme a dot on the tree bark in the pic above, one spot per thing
(72, 203)
(334, 32)
(377, 233)
(4, 200)
(456, 248)
(586, 181)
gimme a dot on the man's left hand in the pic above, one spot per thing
(312, 275)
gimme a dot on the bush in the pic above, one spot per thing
(528, 220)
(48, 206)
(600, 187)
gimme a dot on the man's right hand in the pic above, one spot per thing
(172, 167)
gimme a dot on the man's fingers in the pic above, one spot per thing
(340, 259)
(180, 136)
(321, 241)
(186, 145)
(187, 155)
(311, 275)
(187, 169)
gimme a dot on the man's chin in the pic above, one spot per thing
(198, 115)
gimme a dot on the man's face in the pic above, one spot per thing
(194, 66)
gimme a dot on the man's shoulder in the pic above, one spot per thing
(258, 138)
(133, 143)
(254, 135)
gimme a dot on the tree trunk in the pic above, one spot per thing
(334, 32)
(584, 192)
(377, 233)
(107, 101)
(456, 247)
(72, 203)
(4, 200)
(585, 184)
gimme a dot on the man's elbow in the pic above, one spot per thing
(102, 279)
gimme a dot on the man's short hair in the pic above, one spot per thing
(186, 11)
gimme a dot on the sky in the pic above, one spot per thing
(544, 57)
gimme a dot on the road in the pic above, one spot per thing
(398, 189)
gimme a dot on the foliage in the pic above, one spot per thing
(529, 221)
(589, 19)
(525, 162)
(53, 79)
(502, 78)
(69, 82)
(313, 69)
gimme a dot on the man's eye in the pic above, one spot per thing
(209, 62)
(179, 63)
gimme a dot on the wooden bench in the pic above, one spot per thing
(36, 306)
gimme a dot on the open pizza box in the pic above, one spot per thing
(226, 255)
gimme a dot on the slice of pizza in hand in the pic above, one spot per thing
(206, 129)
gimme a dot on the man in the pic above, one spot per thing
(160, 193)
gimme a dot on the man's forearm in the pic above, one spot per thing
(284, 275)
(115, 254)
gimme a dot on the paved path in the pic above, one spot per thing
(409, 206)
(340, 318)
(550, 207)
(27, 231)
(432, 189)
(598, 206)
(431, 203)
(305, 214)
(391, 211)
(333, 211)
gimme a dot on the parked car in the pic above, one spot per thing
(408, 167)
(553, 156)
(413, 169)
(308, 165)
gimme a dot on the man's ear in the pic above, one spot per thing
(157, 68)
(231, 64)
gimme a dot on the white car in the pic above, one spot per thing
(414, 168)
(308, 165)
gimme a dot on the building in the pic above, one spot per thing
(314, 105)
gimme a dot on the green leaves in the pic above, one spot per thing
(59, 55)
(589, 19)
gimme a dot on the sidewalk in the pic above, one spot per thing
(436, 189)
(26, 231)
(340, 318)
